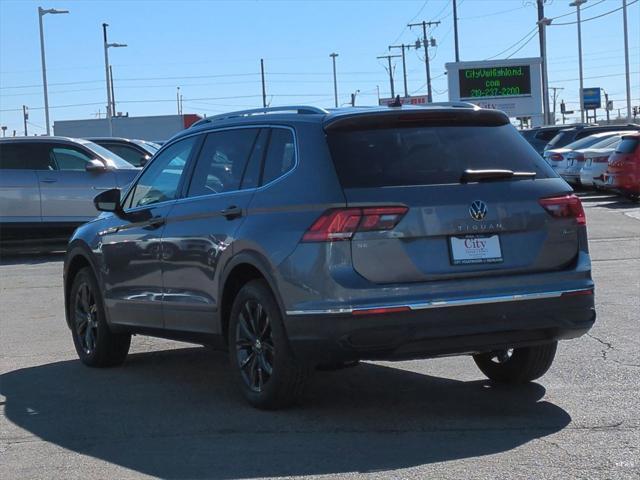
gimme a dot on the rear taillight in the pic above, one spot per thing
(556, 157)
(601, 160)
(567, 206)
(579, 157)
(342, 223)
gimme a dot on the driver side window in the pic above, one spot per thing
(159, 183)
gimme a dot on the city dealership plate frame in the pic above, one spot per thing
(475, 249)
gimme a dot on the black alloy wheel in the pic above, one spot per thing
(255, 349)
(86, 318)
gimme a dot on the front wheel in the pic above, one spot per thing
(269, 375)
(517, 365)
(96, 344)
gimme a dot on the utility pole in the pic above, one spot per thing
(335, 79)
(113, 95)
(455, 29)
(425, 42)
(555, 97)
(404, 65)
(178, 99)
(264, 90)
(577, 4)
(542, 24)
(25, 117)
(626, 59)
(389, 57)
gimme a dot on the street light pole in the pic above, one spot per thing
(108, 45)
(335, 79)
(41, 13)
(626, 59)
(577, 4)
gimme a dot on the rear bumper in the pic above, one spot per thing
(439, 330)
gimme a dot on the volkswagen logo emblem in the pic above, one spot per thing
(478, 210)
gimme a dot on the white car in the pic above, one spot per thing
(596, 162)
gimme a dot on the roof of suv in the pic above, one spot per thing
(297, 114)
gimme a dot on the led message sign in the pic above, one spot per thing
(507, 81)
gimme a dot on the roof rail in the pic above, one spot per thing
(299, 109)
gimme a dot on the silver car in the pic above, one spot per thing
(47, 184)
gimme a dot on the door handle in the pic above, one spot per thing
(48, 180)
(231, 212)
(157, 222)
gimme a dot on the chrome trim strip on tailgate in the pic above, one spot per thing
(444, 303)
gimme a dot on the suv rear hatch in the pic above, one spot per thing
(457, 224)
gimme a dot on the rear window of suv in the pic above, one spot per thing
(628, 145)
(428, 155)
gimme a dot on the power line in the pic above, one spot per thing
(593, 18)
(412, 19)
(523, 45)
(526, 37)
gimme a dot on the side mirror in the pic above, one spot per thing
(108, 201)
(95, 166)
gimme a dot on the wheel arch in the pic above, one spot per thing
(78, 256)
(240, 270)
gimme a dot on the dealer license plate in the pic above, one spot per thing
(471, 249)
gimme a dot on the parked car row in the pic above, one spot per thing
(584, 155)
(47, 184)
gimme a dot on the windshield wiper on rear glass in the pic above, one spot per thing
(493, 174)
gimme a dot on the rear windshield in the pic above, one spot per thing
(587, 142)
(563, 138)
(429, 155)
(628, 145)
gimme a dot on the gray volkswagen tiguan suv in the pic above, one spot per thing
(298, 237)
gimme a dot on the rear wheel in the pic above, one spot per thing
(517, 365)
(267, 372)
(96, 344)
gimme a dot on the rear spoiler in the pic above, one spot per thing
(415, 118)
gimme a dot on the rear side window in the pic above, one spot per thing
(68, 159)
(222, 161)
(281, 155)
(130, 154)
(628, 145)
(429, 155)
(24, 156)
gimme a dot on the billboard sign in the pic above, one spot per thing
(513, 85)
(417, 100)
(591, 98)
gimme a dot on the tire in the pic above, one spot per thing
(518, 365)
(96, 344)
(268, 374)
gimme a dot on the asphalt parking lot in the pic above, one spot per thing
(172, 411)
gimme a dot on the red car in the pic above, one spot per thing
(623, 173)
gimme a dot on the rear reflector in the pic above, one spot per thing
(600, 160)
(378, 311)
(342, 223)
(556, 157)
(567, 206)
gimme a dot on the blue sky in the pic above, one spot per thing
(212, 50)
